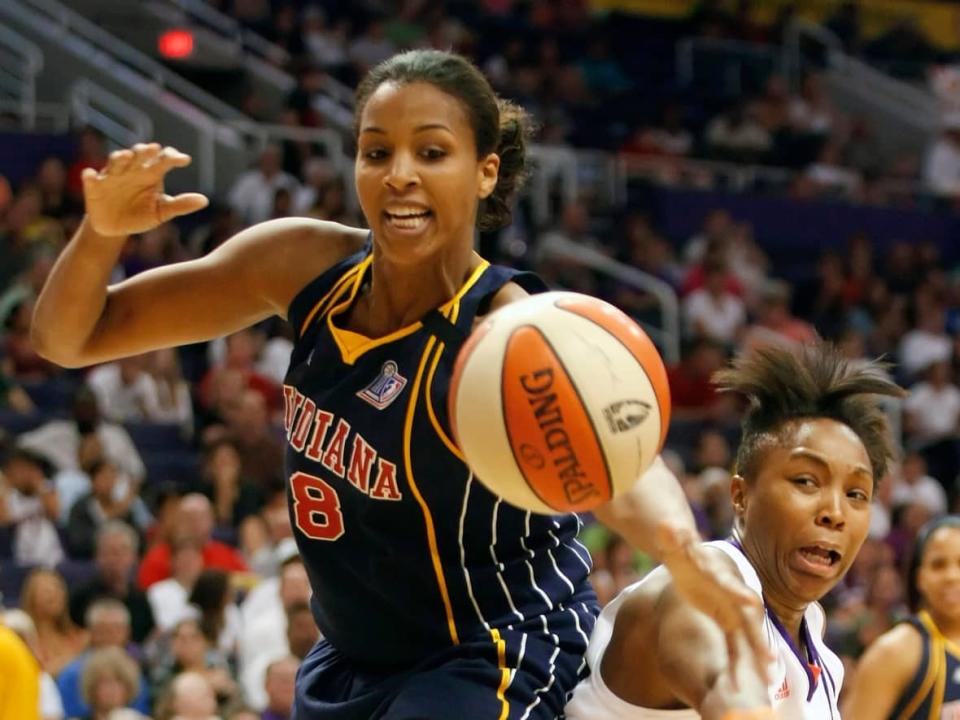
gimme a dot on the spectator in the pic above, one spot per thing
(12, 396)
(692, 392)
(252, 195)
(174, 403)
(99, 506)
(91, 154)
(371, 47)
(30, 505)
(776, 323)
(59, 440)
(735, 136)
(275, 357)
(116, 556)
(941, 170)
(933, 406)
(109, 625)
(302, 631)
(326, 45)
(124, 389)
(44, 598)
(280, 686)
(263, 635)
(195, 519)
(915, 486)
(717, 227)
(22, 361)
(52, 184)
(234, 498)
(169, 598)
(926, 344)
(712, 311)
(191, 697)
(574, 228)
(111, 680)
(261, 453)
(830, 176)
(213, 596)
(191, 652)
(240, 356)
(811, 112)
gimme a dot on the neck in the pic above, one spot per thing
(787, 610)
(401, 295)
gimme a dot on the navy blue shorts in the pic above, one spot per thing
(525, 673)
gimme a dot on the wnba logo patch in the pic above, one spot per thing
(385, 387)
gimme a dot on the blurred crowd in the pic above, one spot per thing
(146, 554)
(610, 81)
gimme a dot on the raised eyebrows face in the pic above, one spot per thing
(807, 512)
(418, 176)
(938, 577)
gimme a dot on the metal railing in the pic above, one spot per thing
(120, 122)
(55, 18)
(906, 103)
(20, 63)
(667, 338)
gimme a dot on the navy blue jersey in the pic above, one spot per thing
(934, 691)
(408, 554)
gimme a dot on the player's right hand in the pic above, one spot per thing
(127, 196)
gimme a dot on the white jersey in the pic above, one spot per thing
(795, 692)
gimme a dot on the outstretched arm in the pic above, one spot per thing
(79, 320)
(664, 652)
(656, 518)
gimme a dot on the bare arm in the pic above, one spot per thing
(665, 653)
(883, 673)
(79, 320)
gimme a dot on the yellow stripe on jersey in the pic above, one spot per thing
(441, 433)
(349, 348)
(933, 663)
(427, 517)
(322, 302)
(941, 680)
(504, 673)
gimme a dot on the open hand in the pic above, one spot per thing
(127, 196)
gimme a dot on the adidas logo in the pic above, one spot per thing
(784, 691)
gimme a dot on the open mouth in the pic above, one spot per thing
(818, 560)
(407, 219)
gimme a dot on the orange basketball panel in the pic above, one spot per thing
(631, 336)
(549, 429)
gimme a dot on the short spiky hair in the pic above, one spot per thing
(815, 381)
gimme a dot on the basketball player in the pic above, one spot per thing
(435, 599)
(913, 670)
(814, 444)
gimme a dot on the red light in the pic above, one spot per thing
(175, 44)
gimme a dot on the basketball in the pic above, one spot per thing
(559, 402)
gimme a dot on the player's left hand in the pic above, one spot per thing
(715, 588)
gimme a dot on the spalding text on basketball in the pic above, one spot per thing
(576, 485)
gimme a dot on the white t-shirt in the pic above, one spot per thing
(926, 491)
(920, 348)
(35, 539)
(593, 700)
(936, 412)
(120, 402)
(720, 318)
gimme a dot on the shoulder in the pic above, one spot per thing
(895, 655)
(511, 292)
(277, 258)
